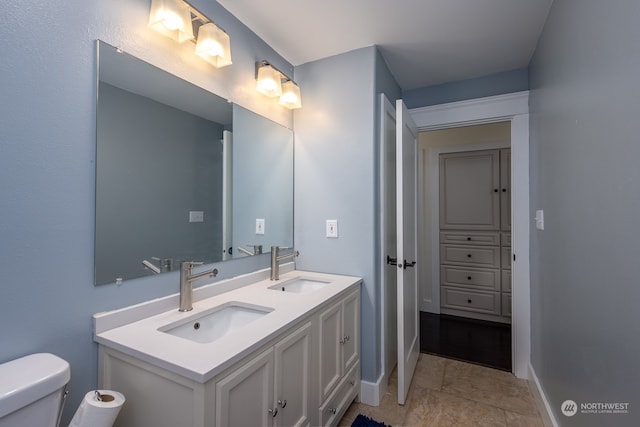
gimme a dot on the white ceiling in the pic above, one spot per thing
(424, 42)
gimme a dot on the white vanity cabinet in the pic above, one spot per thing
(271, 389)
(303, 372)
(339, 353)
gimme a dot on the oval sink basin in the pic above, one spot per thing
(299, 285)
(216, 323)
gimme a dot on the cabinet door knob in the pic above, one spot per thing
(469, 300)
(468, 255)
(495, 190)
(333, 411)
(469, 238)
(273, 412)
(504, 190)
(282, 403)
(468, 277)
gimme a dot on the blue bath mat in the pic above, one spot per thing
(362, 421)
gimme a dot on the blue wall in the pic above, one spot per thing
(47, 165)
(584, 107)
(336, 177)
(480, 87)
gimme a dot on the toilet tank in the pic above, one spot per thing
(32, 390)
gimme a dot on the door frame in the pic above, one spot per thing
(514, 108)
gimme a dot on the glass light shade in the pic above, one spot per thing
(269, 81)
(171, 18)
(290, 97)
(214, 45)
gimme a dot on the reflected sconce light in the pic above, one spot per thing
(181, 22)
(272, 82)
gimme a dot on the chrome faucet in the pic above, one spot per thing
(257, 250)
(186, 280)
(276, 258)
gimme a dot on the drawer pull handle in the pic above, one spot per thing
(333, 411)
(468, 277)
(504, 190)
(273, 412)
(495, 190)
(282, 403)
(469, 300)
(345, 339)
(469, 238)
(468, 255)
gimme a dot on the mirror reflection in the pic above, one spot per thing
(182, 174)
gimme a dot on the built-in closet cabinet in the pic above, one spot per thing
(475, 234)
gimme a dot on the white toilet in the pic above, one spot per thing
(32, 390)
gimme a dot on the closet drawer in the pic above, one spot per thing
(473, 256)
(470, 238)
(506, 305)
(506, 280)
(480, 302)
(472, 278)
(505, 239)
(506, 258)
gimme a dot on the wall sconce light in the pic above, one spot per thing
(177, 20)
(269, 81)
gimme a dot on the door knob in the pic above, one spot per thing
(409, 264)
(273, 412)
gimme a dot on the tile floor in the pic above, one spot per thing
(446, 392)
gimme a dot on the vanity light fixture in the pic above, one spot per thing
(171, 18)
(272, 82)
(179, 21)
(290, 97)
(269, 80)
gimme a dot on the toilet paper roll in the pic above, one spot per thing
(95, 413)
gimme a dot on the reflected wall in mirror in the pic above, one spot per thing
(182, 174)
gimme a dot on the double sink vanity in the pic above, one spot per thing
(252, 352)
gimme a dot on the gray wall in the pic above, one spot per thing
(47, 165)
(585, 175)
(479, 87)
(336, 177)
(154, 164)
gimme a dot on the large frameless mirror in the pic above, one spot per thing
(182, 174)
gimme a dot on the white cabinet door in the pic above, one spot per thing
(292, 378)
(339, 342)
(245, 396)
(470, 190)
(505, 189)
(350, 335)
(330, 354)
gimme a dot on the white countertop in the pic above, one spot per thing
(202, 361)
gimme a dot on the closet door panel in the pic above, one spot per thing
(470, 190)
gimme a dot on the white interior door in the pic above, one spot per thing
(388, 232)
(406, 196)
(227, 194)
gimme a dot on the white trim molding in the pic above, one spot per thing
(541, 401)
(514, 108)
(371, 393)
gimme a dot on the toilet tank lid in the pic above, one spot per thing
(30, 378)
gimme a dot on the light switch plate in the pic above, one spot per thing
(260, 226)
(540, 219)
(332, 228)
(196, 216)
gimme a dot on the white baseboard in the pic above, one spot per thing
(371, 393)
(548, 419)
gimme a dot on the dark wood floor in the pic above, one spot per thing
(470, 340)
